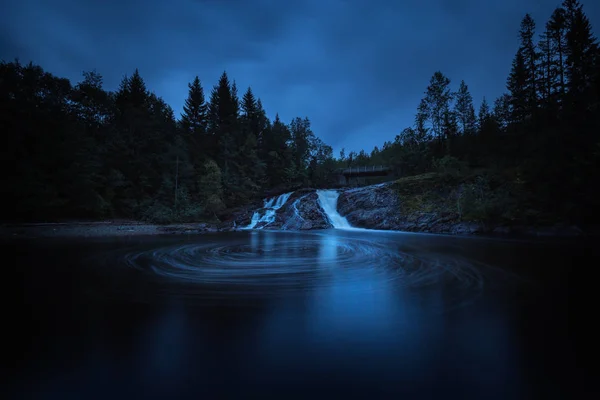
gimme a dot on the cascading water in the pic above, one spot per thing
(328, 201)
(270, 207)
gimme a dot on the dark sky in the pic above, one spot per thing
(356, 68)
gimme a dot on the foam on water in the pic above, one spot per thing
(270, 207)
(328, 201)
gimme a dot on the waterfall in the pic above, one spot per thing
(328, 201)
(270, 207)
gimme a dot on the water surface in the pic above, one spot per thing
(328, 313)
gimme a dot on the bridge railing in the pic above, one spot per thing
(373, 168)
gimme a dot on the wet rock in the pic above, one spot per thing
(380, 207)
(303, 212)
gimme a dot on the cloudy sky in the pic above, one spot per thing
(356, 68)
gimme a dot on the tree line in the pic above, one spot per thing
(541, 138)
(84, 152)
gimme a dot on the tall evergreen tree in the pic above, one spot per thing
(581, 50)
(436, 103)
(556, 29)
(502, 111)
(528, 50)
(518, 89)
(223, 125)
(200, 145)
(194, 117)
(279, 161)
(252, 128)
(464, 110)
(132, 125)
(484, 113)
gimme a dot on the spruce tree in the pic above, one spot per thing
(518, 89)
(484, 113)
(194, 116)
(530, 56)
(193, 123)
(581, 51)
(502, 111)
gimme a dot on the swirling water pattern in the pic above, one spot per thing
(274, 312)
(268, 263)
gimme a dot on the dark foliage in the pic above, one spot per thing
(82, 152)
(539, 146)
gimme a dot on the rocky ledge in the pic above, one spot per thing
(405, 206)
(300, 212)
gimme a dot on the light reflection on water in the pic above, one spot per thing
(257, 312)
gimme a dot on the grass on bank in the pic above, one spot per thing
(498, 196)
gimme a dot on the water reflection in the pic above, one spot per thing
(163, 345)
(366, 314)
(328, 248)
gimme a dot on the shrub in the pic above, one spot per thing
(450, 166)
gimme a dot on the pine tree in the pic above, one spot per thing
(222, 125)
(484, 113)
(252, 128)
(502, 111)
(464, 110)
(263, 126)
(421, 119)
(133, 126)
(581, 50)
(279, 161)
(530, 56)
(557, 31)
(519, 91)
(437, 102)
(194, 116)
(249, 107)
(545, 70)
(194, 120)
(450, 130)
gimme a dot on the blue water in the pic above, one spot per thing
(294, 315)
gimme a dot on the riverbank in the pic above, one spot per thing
(481, 203)
(473, 203)
(102, 229)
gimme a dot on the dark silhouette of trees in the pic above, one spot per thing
(540, 142)
(83, 152)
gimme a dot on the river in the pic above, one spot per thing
(291, 314)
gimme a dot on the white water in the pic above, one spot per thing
(328, 201)
(270, 208)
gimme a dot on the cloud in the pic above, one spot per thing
(356, 68)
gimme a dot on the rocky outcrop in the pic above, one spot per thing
(303, 213)
(381, 208)
(300, 212)
(407, 206)
(426, 203)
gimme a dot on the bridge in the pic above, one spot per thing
(345, 174)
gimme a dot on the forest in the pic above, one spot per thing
(82, 152)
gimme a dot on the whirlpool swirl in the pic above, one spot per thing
(283, 263)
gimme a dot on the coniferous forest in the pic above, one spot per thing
(82, 152)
